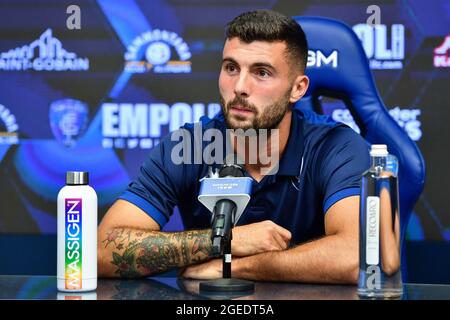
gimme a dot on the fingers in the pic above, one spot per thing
(279, 241)
(279, 236)
(259, 237)
(285, 234)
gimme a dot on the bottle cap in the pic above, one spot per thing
(378, 150)
(77, 178)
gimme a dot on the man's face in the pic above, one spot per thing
(255, 84)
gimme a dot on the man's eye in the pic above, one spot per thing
(230, 68)
(263, 73)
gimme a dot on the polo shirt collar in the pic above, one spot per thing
(291, 159)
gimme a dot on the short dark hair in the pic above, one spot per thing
(270, 26)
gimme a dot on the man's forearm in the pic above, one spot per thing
(128, 252)
(332, 259)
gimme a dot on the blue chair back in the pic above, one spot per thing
(338, 68)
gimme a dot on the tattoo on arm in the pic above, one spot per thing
(137, 253)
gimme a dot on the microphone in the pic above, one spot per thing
(226, 195)
(224, 211)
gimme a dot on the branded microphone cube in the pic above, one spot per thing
(236, 189)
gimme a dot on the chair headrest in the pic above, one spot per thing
(338, 67)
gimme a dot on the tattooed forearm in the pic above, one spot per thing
(117, 236)
(138, 253)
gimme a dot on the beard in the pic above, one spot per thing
(269, 118)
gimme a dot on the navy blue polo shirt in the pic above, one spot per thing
(322, 164)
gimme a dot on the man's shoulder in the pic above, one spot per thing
(325, 136)
(321, 130)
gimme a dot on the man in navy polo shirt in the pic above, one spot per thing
(301, 223)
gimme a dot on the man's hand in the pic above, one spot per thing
(247, 240)
(259, 237)
(204, 271)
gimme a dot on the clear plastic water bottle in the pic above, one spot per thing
(379, 232)
(77, 235)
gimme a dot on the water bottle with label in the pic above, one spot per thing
(379, 231)
(77, 234)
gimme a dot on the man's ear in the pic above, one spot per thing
(299, 88)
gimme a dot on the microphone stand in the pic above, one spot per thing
(227, 286)
(223, 220)
(226, 264)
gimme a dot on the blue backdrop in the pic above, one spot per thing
(100, 97)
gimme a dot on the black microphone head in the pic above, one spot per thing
(231, 167)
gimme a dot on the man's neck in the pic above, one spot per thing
(274, 149)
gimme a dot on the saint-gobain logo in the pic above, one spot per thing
(73, 243)
(159, 51)
(8, 127)
(43, 54)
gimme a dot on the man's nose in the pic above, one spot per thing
(242, 86)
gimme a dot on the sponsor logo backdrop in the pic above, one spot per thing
(100, 97)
